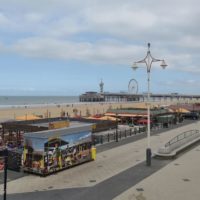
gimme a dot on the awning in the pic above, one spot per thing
(182, 110)
(143, 121)
(104, 118)
(165, 118)
(27, 117)
(109, 118)
(125, 115)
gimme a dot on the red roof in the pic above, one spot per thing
(143, 121)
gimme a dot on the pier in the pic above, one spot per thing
(126, 97)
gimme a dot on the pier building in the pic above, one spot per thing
(126, 97)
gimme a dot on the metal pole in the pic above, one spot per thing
(148, 150)
(148, 60)
(5, 172)
(116, 128)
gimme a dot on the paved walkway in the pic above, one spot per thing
(115, 171)
(179, 180)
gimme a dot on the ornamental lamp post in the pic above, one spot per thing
(148, 60)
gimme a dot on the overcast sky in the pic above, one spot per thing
(65, 47)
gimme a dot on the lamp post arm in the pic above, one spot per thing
(142, 61)
(156, 60)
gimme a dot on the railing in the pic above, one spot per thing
(111, 136)
(182, 136)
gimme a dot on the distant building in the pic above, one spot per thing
(91, 97)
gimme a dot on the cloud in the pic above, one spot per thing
(4, 21)
(103, 31)
(181, 82)
(184, 86)
(105, 51)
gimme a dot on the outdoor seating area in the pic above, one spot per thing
(160, 115)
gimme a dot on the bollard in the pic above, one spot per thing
(116, 135)
(93, 153)
(120, 135)
(148, 157)
(101, 139)
(93, 140)
(108, 137)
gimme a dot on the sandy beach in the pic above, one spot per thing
(73, 109)
(81, 109)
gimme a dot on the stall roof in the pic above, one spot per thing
(135, 112)
(46, 124)
(60, 132)
(27, 117)
(126, 115)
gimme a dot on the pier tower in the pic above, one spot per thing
(101, 84)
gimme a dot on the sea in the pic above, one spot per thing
(33, 101)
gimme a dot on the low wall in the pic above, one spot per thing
(168, 148)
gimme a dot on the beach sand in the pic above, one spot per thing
(80, 109)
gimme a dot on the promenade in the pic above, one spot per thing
(119, 172)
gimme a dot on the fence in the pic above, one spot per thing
(14, 159)
(120, 134)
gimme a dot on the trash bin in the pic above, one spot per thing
(93, 153)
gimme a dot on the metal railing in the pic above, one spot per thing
(109, 137)
(182, 136)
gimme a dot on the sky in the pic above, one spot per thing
(65, 47)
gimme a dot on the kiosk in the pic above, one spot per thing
(49, 151)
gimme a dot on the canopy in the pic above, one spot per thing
(126, 115)
(143, 121)
(109, 118)
(91, 117)
(165, 118)
(104, 118)
(27, 117)
(182, 110)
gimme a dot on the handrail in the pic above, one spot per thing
(182, 136)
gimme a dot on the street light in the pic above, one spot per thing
(148, 60)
